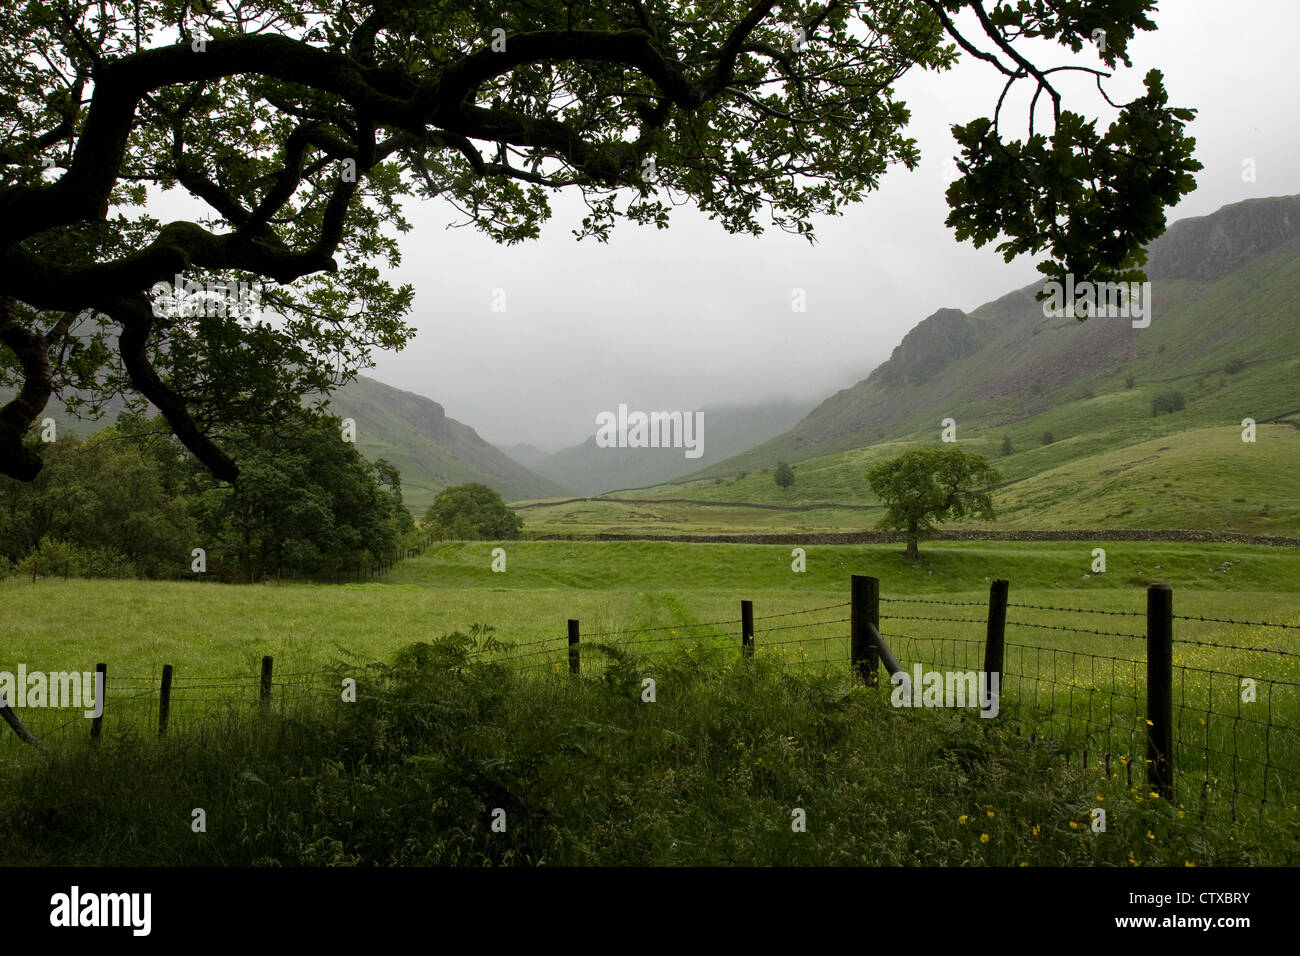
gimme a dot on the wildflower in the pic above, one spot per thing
(1034, 831)
(1150, 835)
(1188, 863)
(1074, 825)
(1022, 863)
(990, 814)
(962, 819)
(984, 838)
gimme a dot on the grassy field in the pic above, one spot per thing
(209, 628)
(650, 608)
(1092, 479)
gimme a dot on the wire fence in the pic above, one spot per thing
(1228, 699)
(1234, 707)
(1076, 674)
(132, 704)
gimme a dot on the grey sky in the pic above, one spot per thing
(691, 316)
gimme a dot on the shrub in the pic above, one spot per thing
(1129, 381)
(1168, 403)
(1006, 445)
(1047, 438)
(1235, 366)
(52, 558)
(472, 512)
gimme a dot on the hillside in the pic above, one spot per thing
(431, 450)
(728, 430)
(1225, 286)
(412, 432)
(1225, 334)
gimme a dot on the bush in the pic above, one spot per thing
(1235, 366)
(1168, 403)
(784, 476)
(1006, 446)
(472, 512)
(1129, 381)
(412, 773)
(52, 558)
(1047, 438)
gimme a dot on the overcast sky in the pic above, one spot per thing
(691, 316)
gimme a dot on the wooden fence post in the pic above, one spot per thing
(746, 628)
(165, 700)
(575, 662)
(1160, 689)
(97, 723)
(864, 595)
(267, 663)
(995, 635)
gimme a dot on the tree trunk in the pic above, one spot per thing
(245, 573)
(913, 552)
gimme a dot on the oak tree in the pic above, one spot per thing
(928, 486)
(301, 126)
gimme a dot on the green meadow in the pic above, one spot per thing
(1201, 478)
(471, 721)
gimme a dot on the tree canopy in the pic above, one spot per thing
(472, 511)
(930, 485)
(130, 501)
(300, 127)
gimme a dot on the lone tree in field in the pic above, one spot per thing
(298, 129)
(472, 512)
(930, 485)
(783, 476)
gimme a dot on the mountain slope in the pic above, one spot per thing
(1005, 362)
(728, 430)
(431, 450)
(1072, 400)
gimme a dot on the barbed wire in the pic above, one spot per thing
(791, 627)
(811, 610)
(1237, 647)
(1224, 620)
(889, 600)
(1075, 630)
(1076, 610)
(942, 620)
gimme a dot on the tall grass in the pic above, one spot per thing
(586, 770)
